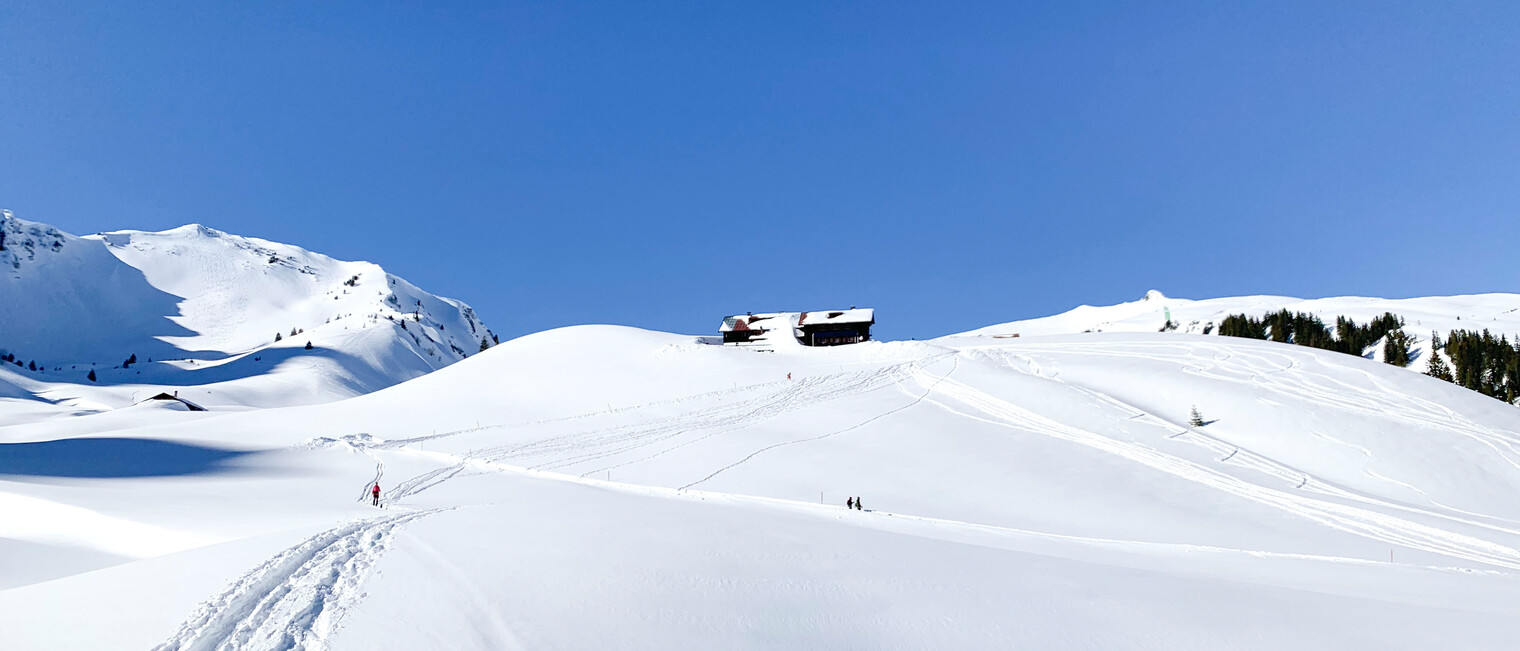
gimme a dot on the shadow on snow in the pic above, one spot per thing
(113, 458)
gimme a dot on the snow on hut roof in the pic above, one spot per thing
(852, 315)
(764, 321)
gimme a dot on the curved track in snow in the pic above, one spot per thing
(298, 599)
(594, 451)
(1356, 520)
(295, 600)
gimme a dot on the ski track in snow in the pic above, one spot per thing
(1240, 456)
(568, 451)
(955, 360)
(1359, 521)
(571, 453)
(949, 527)
(1321, 388)
(296, 600)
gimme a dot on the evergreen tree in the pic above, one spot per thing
(1196, 420)
(308, 345)
(1437, 368)
(484, 344)
(1396, 348)
(277, 336)
(92, 375)
(32, 365)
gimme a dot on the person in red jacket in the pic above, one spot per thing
(376, 492)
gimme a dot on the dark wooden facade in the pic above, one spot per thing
(835, 334)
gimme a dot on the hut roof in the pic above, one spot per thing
(187, 403)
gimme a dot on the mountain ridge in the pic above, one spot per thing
(194, 305)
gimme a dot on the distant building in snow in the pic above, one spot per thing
(837, 327)
(744, 328)
(828, 328)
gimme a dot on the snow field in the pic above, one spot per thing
(604, 486)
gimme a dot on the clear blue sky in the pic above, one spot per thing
(664, 164)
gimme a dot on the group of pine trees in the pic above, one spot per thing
(32, 365)
(1305, 329)
(1479, 361)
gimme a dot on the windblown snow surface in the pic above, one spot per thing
(607, 487)
(199, 309)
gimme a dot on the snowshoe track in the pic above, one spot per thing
(296, 600)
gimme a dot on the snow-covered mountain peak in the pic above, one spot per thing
(21, 240)
(194, 298)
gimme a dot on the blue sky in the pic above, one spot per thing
(664, 164)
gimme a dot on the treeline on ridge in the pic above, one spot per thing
(1479, 361)
(1304, 329)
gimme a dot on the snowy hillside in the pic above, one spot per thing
(608, 487)
(1499, 313)
(201, 310)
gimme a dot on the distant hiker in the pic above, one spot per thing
(858, 507)
(788, 376)
(376, 493)
(849, 503)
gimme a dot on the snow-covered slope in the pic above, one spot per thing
(1499, 313)
(600, 486)
(201, 309)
